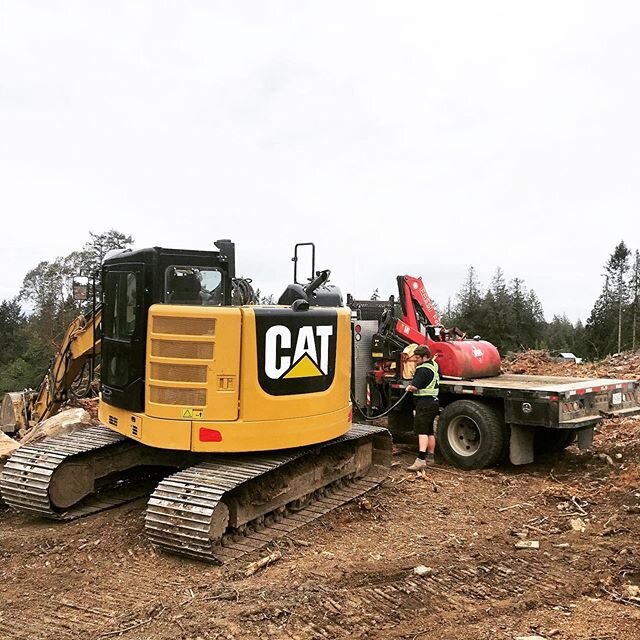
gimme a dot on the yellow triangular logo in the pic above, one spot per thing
(304, 368)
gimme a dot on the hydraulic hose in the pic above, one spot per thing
(242, 292)
(386, 412)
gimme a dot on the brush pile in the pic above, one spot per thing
(624, 365)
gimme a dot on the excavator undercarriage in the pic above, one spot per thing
(216, 508)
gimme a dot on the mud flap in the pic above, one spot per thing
(585, 438)
(521, 444)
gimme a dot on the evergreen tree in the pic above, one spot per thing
(11, 321)
(448, 317)
(559, 334)
(509, 316)
(634, 288)
(604, 332)
(498, 314)
(46, 288)
(465, 312)
(520, 329)
(88, 260)
(536, 315)
(616, 269)
(579, 340)
(600, 327)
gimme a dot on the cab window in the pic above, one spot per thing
(194, 286)
(121, 309)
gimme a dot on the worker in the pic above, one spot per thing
(424, 387)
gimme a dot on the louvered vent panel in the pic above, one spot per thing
(180, 349)
(183, 397)
(179, 372)
(184, 326)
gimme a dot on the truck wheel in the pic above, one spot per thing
(471, 435)
(552, 440)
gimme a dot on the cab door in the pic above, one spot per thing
(123, 340)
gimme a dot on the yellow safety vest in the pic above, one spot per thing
(432, 388)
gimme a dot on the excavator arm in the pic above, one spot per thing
(81, 341)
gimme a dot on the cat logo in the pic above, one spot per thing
(296, 351)
(307, 359)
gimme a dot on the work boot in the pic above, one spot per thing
(418, 465)
(429, 459)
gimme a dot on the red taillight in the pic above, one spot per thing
(358, 328)
(210, 435)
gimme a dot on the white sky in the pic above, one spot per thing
(402, 137)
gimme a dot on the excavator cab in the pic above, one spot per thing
(133, 281)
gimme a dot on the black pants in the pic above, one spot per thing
(426, 413)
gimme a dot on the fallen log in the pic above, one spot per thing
(253, 567)
(61, 424)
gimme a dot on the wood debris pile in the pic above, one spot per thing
(90, 405)
(63, 423)
(532, 362)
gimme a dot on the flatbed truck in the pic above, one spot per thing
(484, 420)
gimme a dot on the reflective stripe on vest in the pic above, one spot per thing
(432, 388)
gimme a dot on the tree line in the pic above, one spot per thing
(506, 313)
(32, 321)
(510, 315)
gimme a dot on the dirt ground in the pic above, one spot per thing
(351, 574)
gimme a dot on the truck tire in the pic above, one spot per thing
(552, 440)
(471, 435)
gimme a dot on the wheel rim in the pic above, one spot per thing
(464, 436)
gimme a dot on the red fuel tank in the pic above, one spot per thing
(466, 358)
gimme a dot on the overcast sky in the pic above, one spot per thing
(402, 137)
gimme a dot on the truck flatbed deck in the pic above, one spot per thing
(542, 384)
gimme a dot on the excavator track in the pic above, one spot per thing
(27, 476)
(214, 510)
(210, 511)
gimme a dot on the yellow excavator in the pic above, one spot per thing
(78, 350)
(241, 411)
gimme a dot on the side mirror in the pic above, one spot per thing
(80, 287)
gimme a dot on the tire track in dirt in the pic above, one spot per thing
(368, 601)
(381, 603)
(120, 584)
(88, 610)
